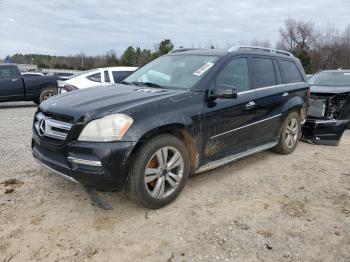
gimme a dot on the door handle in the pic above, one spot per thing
(14, 80)
(285, 94)
(250, 105)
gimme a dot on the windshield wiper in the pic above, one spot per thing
(125, 83)
(150, 84)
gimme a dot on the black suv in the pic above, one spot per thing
(186, 112)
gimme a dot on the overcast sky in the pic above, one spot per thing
(62, 27)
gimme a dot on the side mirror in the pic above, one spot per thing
(224, 92)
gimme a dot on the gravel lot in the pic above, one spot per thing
(266, 207)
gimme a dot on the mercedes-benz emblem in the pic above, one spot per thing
(42, 127)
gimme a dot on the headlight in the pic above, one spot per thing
(105, 129)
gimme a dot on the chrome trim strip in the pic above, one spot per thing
(84, 161)
(269, 87)
(232, 158)
(55, 171)
(241, 127)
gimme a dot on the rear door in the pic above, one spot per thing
(270, 94)
(11, 84)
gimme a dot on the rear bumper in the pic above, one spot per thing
(323, 131)
(98, 165)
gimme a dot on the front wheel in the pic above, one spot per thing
(159, 171)
(290, 134)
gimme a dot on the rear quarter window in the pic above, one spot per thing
(290, 72)
(95, 77)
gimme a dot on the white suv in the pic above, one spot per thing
(95, 77)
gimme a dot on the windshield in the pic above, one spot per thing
(173, 71)
(331, 79)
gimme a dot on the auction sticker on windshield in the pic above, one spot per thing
(203, 69)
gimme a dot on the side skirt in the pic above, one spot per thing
(232, 158)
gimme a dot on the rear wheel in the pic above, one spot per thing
(159, 171)
(290, 134)
(47, 93)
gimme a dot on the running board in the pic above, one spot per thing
(232, 158)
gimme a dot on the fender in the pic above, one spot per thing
(295, 102)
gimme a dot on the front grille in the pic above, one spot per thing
(48, 127)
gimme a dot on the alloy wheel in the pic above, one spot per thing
(164, 172)
(292, 133)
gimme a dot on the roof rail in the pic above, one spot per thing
(177, 50)
(259, 48)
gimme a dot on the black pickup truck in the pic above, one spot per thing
(14, 87)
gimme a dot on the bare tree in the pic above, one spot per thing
(297, 34)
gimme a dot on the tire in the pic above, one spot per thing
(293, 131)
(164, 184)
(36, 101)
(47, 93)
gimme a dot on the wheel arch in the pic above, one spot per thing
(178, 130)
(296, 104)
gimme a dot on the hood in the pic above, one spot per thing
(91, 102)
(330, 89)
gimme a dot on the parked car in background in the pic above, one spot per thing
(329, 111)
(31, 74)
(95, 77)
(185, 112)
(64, 76)
(28, 87)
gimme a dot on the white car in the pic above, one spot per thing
(95, 77)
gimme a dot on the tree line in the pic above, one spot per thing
(326, 48)
(131, 57)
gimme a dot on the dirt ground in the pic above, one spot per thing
(265, 207)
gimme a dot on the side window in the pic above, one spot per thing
(107, 80)
(8, 72)
(278, 72)
(95, 77)
(119, 76)
(235, 73)
(263, 72)
(290, 72)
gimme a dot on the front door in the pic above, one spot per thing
(11, 86)
(227, 121)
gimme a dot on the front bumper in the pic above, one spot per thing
(323, 131)
(99, 165)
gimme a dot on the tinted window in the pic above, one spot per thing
(95, 77)
(263, 72)
(278, 72)
(119, 76)
(290, 72)
(8, 72)
(235, 73)
(107, 80)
